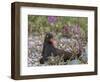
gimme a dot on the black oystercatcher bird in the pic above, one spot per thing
(49, 47)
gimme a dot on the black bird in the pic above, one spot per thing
(49, 48)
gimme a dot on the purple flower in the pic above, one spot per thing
(52, 19)
(77, 29)
(66, 28)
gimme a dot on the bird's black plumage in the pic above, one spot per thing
(49, 49)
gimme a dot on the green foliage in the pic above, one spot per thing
(57, 60)
(40, 24)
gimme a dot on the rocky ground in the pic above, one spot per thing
(35, 46)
